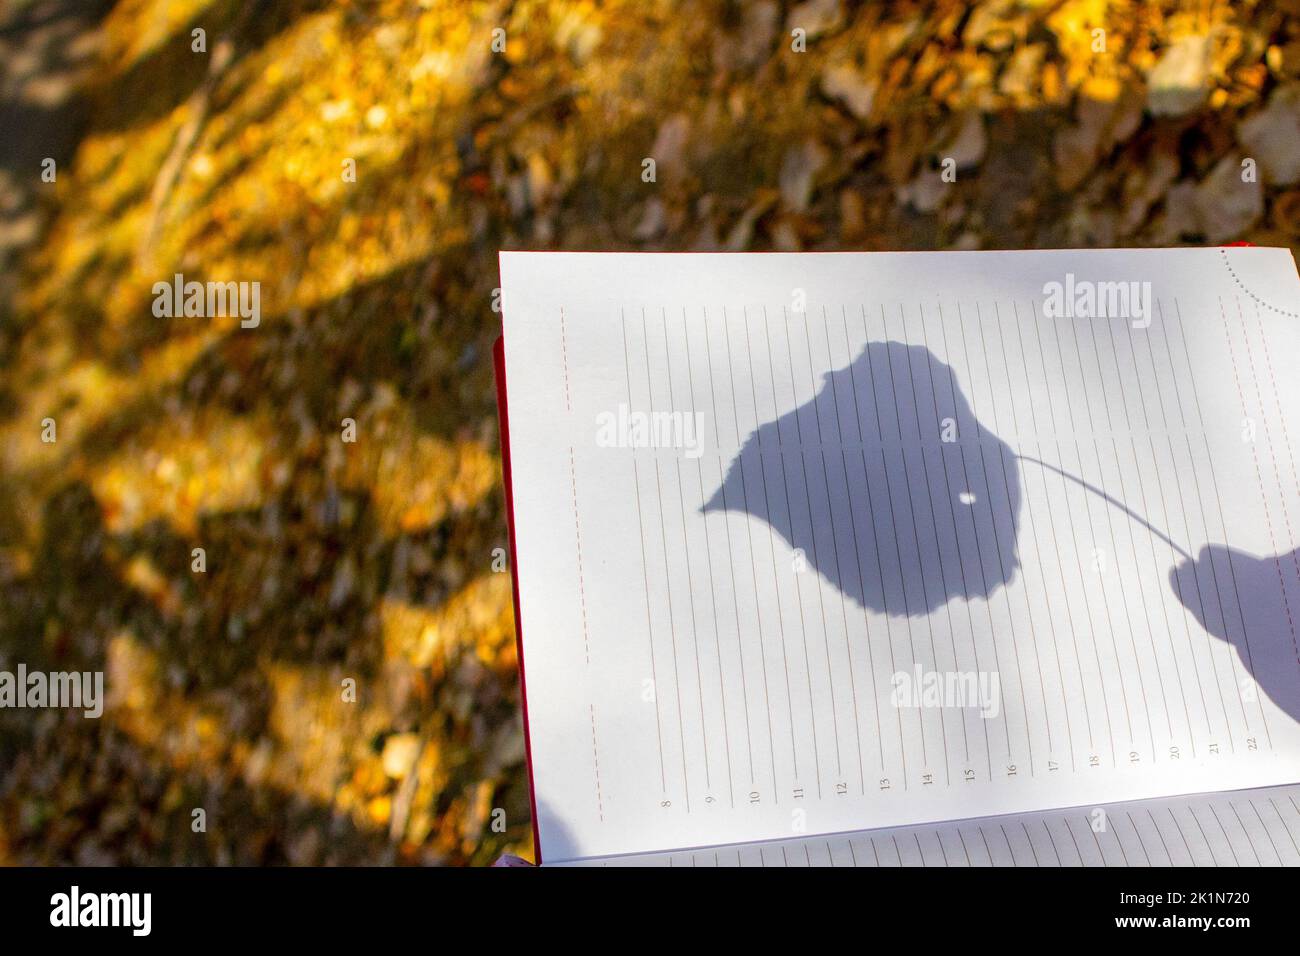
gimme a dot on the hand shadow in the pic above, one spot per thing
(1254, 604)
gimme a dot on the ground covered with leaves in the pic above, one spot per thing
(1068, 124)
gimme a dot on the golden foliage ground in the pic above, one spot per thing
(373, 560)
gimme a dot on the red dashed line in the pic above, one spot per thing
(1257, 299)
(1286, 434)
(564, 353)
(600, 802)
(1259, 475)
(586, 646)
(577, 533)
(1277, 475)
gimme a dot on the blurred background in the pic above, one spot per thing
(1084, 123)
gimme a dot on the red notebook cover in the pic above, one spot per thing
(499, 365)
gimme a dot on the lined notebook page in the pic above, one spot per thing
(1243, 828)
(760, 499)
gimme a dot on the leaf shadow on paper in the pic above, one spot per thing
(906, 500)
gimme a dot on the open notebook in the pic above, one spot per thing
(880, 558)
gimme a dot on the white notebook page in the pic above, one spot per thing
(897, 464)
(1241, 828)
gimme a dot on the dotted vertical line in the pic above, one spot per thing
(1259, 476)
(595, 756)
(586, 644)
(1277, 474)
(564, 354)
(577, 533)
(1286, 440)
